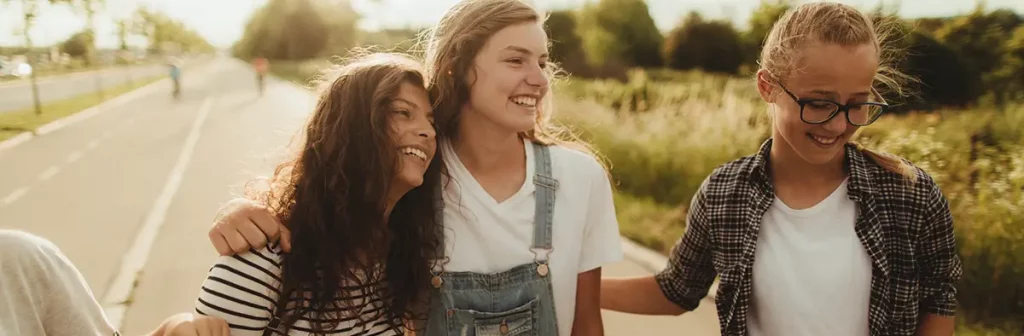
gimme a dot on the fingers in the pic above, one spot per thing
(224, 329)
(207, 327)
(267, 222)
(236, 240)
(212, 326)
(286, 239)
(185, 328)
(254, 237)
(219, 242)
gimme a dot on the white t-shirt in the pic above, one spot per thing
(42, 293)
(484, 236)
(812, 275)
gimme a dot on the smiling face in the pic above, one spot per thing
(412, 125)
(843, 74)
(507, 79)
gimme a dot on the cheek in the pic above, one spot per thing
(787, 116)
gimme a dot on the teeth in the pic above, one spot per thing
(823, 140)
(414, 152)
(525, 101)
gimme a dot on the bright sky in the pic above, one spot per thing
(221, 21)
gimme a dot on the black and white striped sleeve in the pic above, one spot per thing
(241, 289)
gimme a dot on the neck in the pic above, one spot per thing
(483, 146)
(787, 166)
(394, 195)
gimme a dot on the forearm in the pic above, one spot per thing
(640, 295)
(160, 330)
(588, 324)
(936, 325)
(587, 319)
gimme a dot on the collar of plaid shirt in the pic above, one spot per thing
(891, 218)
(861, 189)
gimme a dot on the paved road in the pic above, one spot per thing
(17, 95)
(138, 184)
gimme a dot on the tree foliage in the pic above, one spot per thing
(299, 29)
(566, 44)
(713, 46)
(620, 32)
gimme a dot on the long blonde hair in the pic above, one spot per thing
(834, 23)
(450, 48)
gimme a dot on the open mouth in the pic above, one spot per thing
(823, 141)
(524, 101)
(416, 152)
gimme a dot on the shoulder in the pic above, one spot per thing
(19, 246)
(260, 266)
(728, 178)
(574, 163)
(921, 190)
(573, 157)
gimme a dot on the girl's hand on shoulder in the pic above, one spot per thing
(188, 324)
(243, 224)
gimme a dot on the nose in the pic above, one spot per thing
(838, 123)
(537, 77)
(425, 130)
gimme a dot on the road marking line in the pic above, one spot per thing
(118, 296)
(93, 144)
(48, 173)
(14, 196)
(74, 156)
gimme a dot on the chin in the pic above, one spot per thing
(411, 178)
(522, 125)
(817, 155)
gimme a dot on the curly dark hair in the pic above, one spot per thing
(332, 195)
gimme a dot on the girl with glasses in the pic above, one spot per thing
(813, 234)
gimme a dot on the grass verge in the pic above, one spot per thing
(16, 122)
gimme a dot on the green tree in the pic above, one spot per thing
(566, 44)
(1011, 72)
(620, 32)
(713, 46)
(79, 44)
(167, 35)
(944, 77)
(980, 38)
(761, 23)
(299, 29)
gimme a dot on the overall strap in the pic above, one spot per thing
(439, 221)
(544, 195)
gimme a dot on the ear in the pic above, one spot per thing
(765, 86)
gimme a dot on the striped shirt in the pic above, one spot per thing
(244, 288)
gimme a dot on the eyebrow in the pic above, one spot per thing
(430, 112)
(406, 101)
(523, 50)
(833, 94)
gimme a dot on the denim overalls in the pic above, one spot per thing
(518, 301)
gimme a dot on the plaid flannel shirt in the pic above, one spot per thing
(905, 227)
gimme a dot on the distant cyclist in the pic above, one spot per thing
(260, 64)
(175, 72)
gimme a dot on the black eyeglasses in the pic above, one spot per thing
(820, 111)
